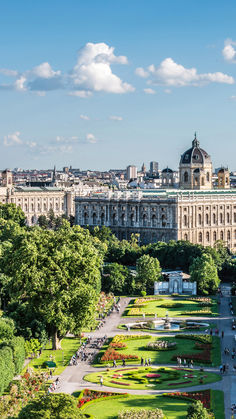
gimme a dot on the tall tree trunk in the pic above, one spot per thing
(56, 342)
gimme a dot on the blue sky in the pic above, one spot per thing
(101, 84)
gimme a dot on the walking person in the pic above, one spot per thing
(222, 334)
(141, 361)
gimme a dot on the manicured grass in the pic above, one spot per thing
(217, 404)
(60, 357)
(184, 346)
(109, 409)
(136, 378)
(185, 306)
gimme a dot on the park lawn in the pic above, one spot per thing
(217, 404)
(131, 378)
(187, 306)
(61, 357)
(109, 409)
(138, 347)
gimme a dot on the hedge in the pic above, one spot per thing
(7, 367)
(17, 344)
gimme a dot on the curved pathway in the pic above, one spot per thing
(72, 377)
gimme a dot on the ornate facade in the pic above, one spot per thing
(35, 201)
(194, 212)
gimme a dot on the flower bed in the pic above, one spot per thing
(92, 395)
(200, 338)
(153, 375)
(113, 355)
(204, 396)
(121, 338)
(196, 312)
(204, 356)
(117, 345)
(119, 383)
(177, 384)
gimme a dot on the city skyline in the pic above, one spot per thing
(104, 85)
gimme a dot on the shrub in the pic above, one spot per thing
(141, 414)
(7, 368)
(53, 406)
(161, 345)
(197, 411)
(143, 293)
(17, 344)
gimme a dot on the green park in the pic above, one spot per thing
(67, 294)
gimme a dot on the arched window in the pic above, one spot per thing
(208, 177)
(214, 218)
(228, 217)
(132, 220)
(203, 181)
(228, 235)
(185, 237)
(221, 218)
(85, 218)
(207, 236)
(207, 218)
(235, 234)
(185, 177)
(200, 237)
(163, 220)
(214, 236)
(199, 219)
(94, 218)
(123, 219)
(221, 235)
(102, 218)
(185, 221)
(234, 217)
(144, 220)
(114, 219)
(154, 221)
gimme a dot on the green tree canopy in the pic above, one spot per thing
(54, 406)
(12, 212)
(204, 272)
(148, 271)
(57, 273)
(114, 278)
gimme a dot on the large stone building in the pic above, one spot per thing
(194, 212)
(35, 201)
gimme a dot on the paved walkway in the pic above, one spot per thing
(72, 377)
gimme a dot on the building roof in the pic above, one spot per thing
(195, 154)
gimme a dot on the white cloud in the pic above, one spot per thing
(168, 91)
(9, 73)
(170, 73)
(93, 70)
(20, 84)
(233, 97)
(45, 71)
(141, 72)
(229, 52)
(90, 138)
(116, 118)
(84, 117)
(149, 91)
(12, 139)
(80, 93)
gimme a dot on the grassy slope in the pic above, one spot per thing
(154, 307)
(61, 357)
(184, 346)
(173, 409)
(217, 403)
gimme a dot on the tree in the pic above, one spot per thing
(54, 406)
(13, 213)
(148, 271)
(113, 278)
(204, 272)
(58, 274)
(197, 411)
